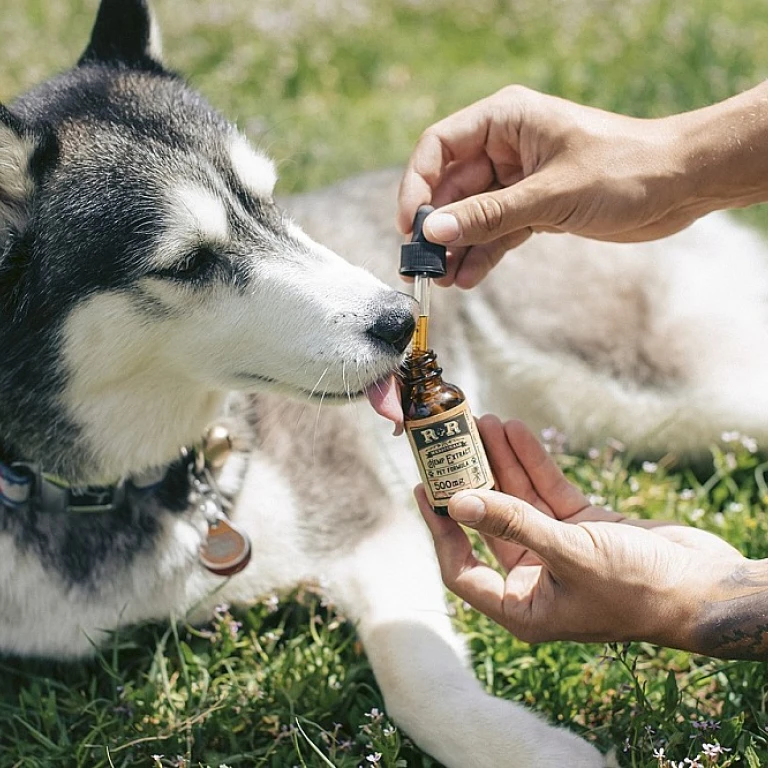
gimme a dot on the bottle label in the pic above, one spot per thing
(449, 453)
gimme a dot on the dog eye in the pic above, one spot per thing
(196, 265)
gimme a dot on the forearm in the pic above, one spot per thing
(725, 151)
(733, 622)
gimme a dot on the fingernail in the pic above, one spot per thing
(467, 509)
(442, 227)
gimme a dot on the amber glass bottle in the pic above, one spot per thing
(440, 427)
(442, 432)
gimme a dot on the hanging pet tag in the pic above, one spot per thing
(227, 549)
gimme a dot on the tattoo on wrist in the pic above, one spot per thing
(735, 625)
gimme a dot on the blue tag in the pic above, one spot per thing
(15, 486)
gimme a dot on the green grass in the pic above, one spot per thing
(333, 89)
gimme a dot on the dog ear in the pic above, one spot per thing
(19, 147)
(125, 33)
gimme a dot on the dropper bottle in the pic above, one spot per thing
(440, 427)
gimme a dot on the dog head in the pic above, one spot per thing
(145, 261)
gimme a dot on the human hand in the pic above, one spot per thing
(519, 162)
(573, 571)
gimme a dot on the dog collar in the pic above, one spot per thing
(226, 549)
(22, 482)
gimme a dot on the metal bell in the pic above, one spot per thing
(217, 446)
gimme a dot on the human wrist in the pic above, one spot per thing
(732, 620)
(678, 614)
(724, 152)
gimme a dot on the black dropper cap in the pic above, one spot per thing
(420, 257)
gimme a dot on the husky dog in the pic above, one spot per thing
(148, 281)
(151, 287)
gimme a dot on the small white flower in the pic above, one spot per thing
(749, 443)
(713, 750)
(650, 467)
(554, 440)
(374, 758)
(687, 494)
(272, 603)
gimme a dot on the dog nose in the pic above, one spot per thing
(394, 326)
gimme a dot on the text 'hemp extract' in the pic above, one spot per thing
(440, 428)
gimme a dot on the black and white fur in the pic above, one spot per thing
(150, 286)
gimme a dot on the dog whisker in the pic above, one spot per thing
(360, 387)
(317, 421)
(317, 383)
(347, 387)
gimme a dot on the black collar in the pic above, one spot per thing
(23, 483)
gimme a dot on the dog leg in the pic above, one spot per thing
(390, 586)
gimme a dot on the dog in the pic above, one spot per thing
(155, 299)
(171, 338)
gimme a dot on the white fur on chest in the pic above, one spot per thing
(41, 614)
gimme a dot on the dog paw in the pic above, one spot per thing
(484, 732)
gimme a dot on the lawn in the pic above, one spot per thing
(334, 87)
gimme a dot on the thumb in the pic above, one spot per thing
(511, 519)
(491, 215)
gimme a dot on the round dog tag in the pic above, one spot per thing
(227, 549)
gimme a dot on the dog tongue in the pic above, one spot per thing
(384, 396)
